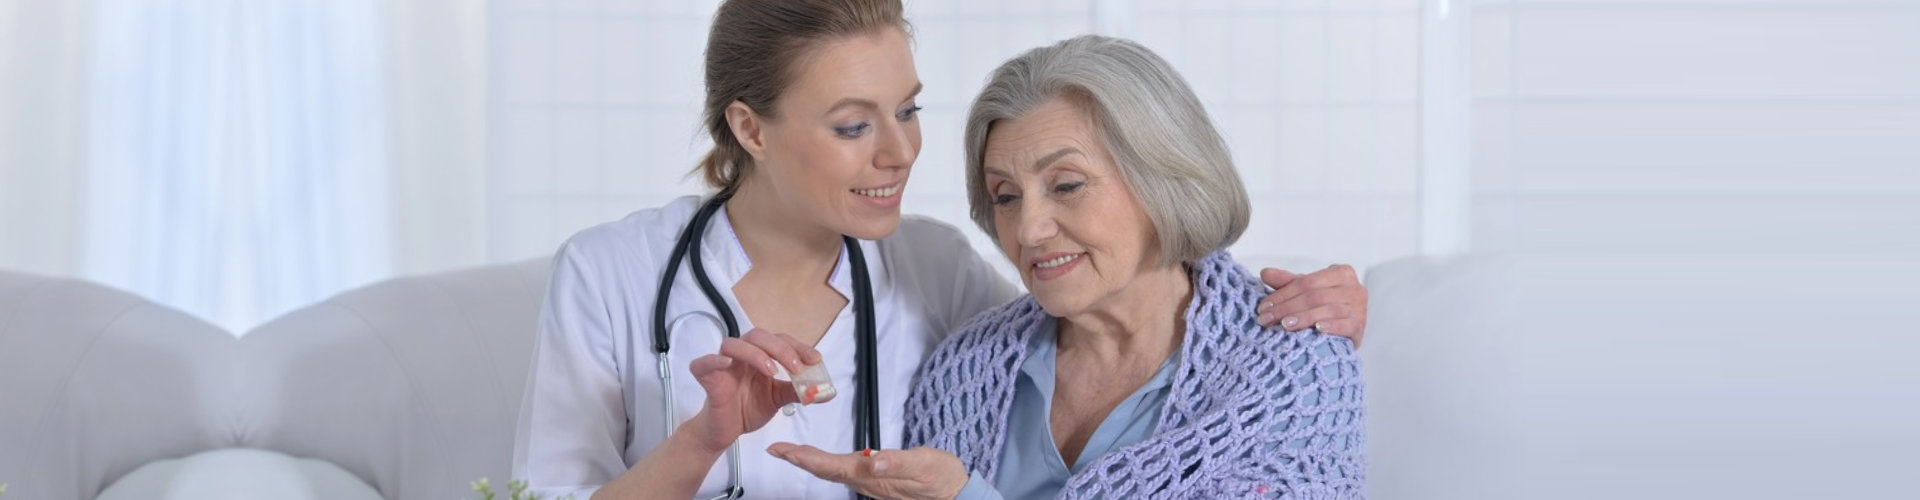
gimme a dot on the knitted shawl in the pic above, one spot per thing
(1253, 411)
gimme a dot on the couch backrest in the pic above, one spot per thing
(1677, 376)
(1488, 377)
(95, 382)
(412, 384)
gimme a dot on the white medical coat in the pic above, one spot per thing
(593, 404)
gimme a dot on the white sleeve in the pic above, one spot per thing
(571, 436)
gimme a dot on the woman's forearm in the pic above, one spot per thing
(673, 470)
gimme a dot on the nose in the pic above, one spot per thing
(899, 144)
(1035, 224)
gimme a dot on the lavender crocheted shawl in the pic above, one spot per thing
(1253, 412)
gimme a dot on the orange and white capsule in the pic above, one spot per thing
(813, 385)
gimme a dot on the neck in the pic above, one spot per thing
(1139, 322)
(780, 243)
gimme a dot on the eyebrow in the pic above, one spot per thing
(1041, 163)
(855, 101)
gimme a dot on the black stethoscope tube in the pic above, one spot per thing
(866, 408)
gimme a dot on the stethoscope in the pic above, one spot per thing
(866, 406)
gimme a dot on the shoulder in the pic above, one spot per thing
(1305, 358)
(1308, 376)
(936, 263)
(1230, 295)
(641, 237)
(990, 334)
(1306, 385)
(1015, 318)
(973, 366)
(926, 238)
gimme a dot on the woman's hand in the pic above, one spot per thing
(1331, 300)
(918, 473)
(741, 391)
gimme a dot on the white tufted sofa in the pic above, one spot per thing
(412, 384)
(1489, 377)
(95, 382)
(403, 389)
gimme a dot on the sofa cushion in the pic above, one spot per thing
(94, 382)
(239, 474)
(412, 384)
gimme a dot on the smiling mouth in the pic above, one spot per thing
(882, 192)
(1058, 261)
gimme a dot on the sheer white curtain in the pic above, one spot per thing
(42, 47)
(236, 153)
(237, 158)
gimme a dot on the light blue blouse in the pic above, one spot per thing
(1030, 465)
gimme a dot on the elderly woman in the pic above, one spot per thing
(1135, 368)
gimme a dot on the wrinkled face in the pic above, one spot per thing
(1061, 210)
(847, 134)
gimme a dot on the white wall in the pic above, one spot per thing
(594, 112)
(437, 93)
(1697, 126)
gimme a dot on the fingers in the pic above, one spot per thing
(762, 350)
(748, 354)
(915, 473)
(899, 464)
(828, 466)
(1276, 277)
(704, 366)
(711, 371)
(1313, 316)
(790, 352)
(1340, 311)
(1285, 300)
(1333, 276)
(1342, 273)
(1290, 314)
(921, 465)
(1334, 284)
(1331, 319)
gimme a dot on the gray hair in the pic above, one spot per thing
(1160, 137)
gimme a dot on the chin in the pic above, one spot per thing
(1058, 301)
(873, 228)
(1056, 305)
